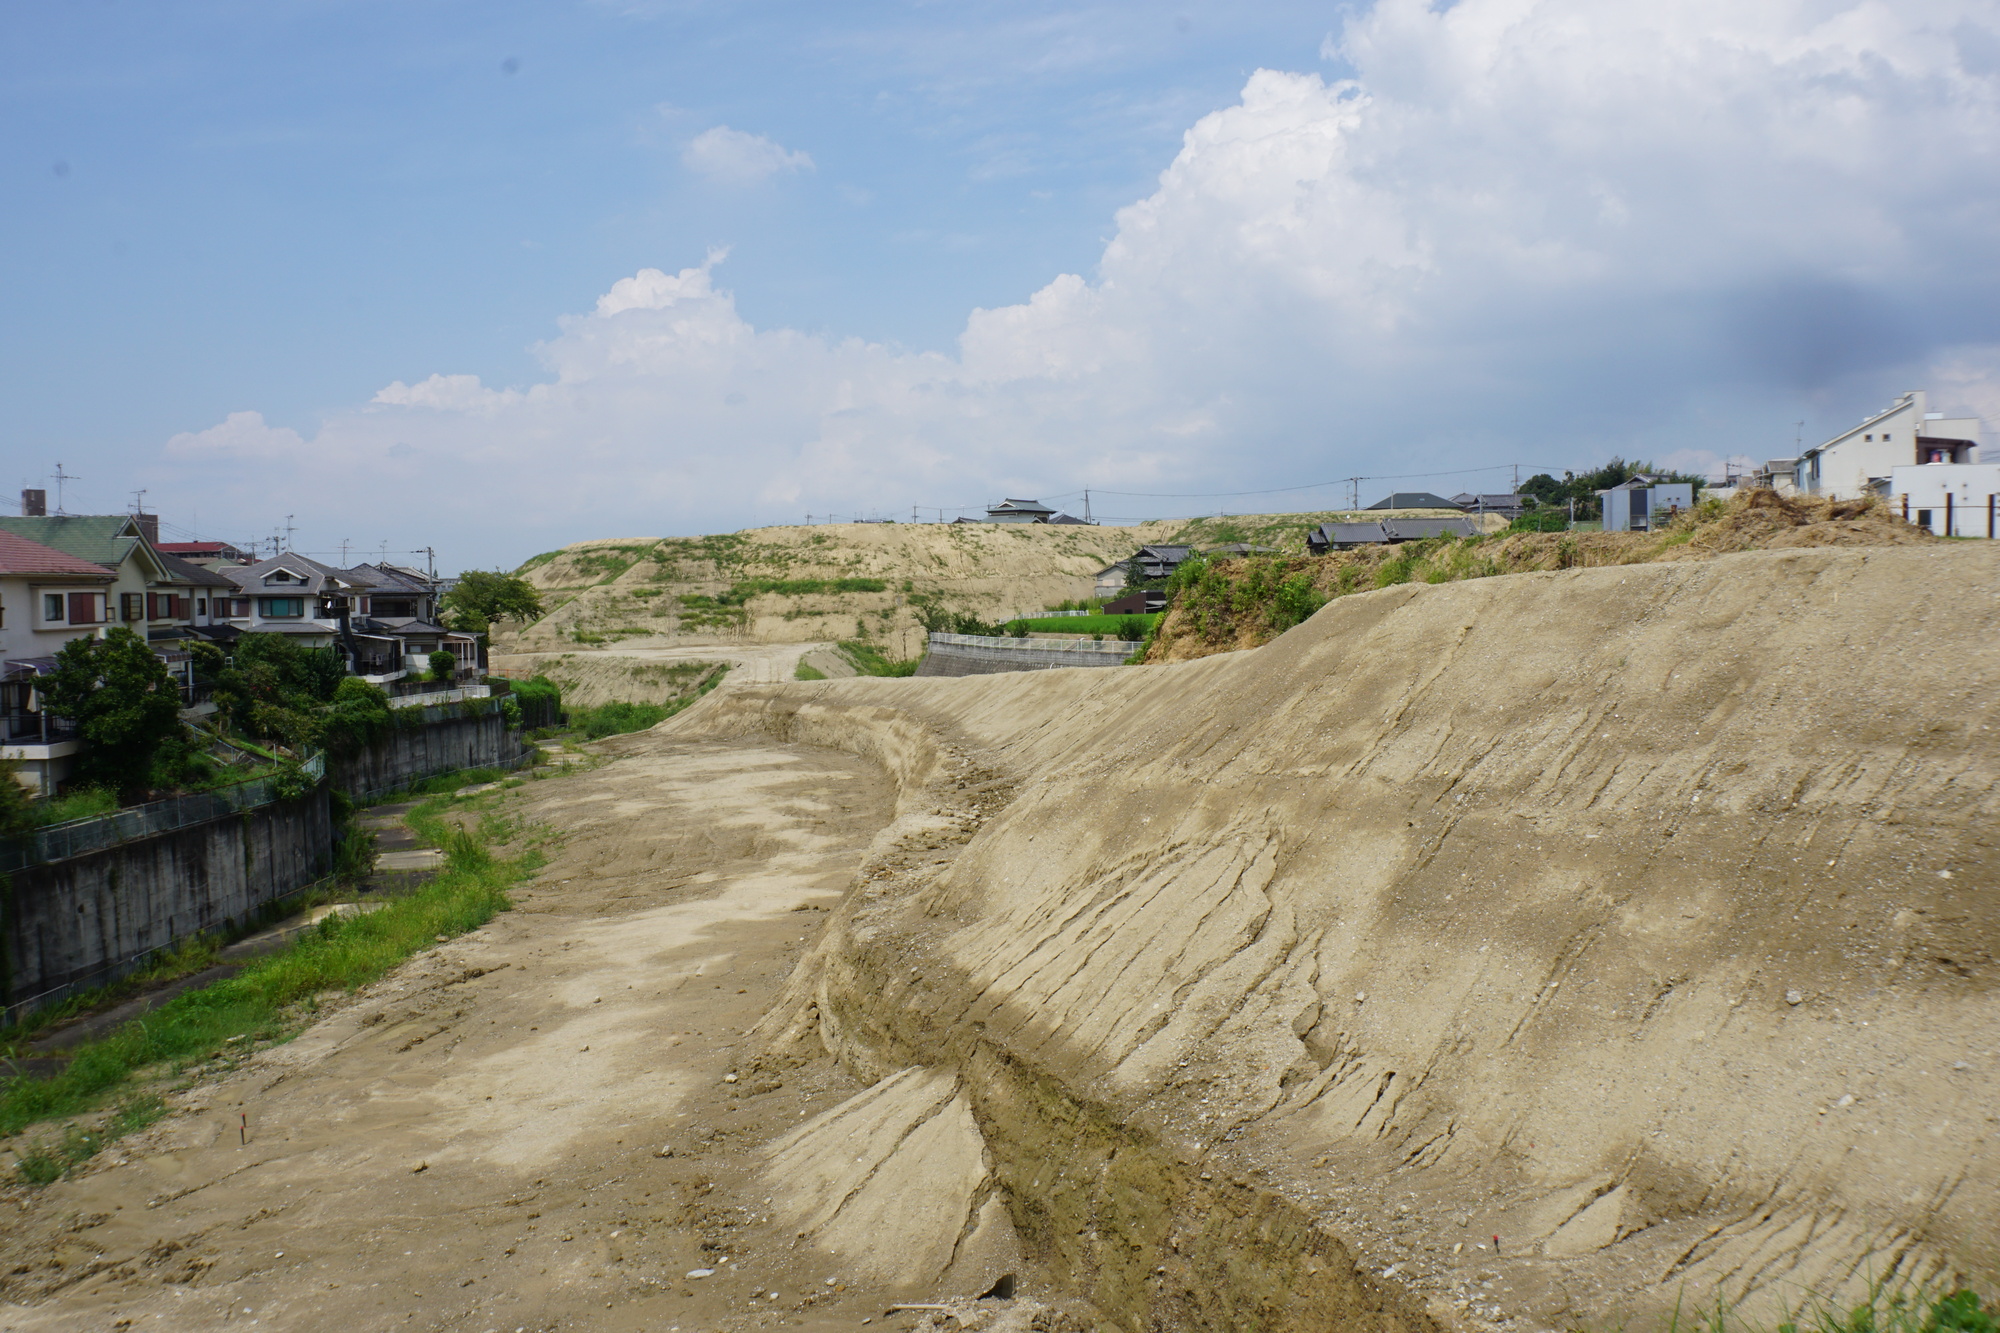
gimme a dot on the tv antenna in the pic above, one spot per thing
(59, 478)
(139, 502)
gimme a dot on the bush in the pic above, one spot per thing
(17, 808)
(443, 664)
(540, 701)
(357, 715)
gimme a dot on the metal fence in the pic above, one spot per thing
(450, 696)
(78, 837)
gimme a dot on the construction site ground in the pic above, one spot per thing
(547, 1123)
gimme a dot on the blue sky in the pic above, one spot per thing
(495, 276)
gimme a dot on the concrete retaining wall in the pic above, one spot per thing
(91, 919)
(981, 655)
(448, 742)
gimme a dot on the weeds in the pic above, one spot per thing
(870, 660)
(804, 672)
(267, 1001)
(1887, 1309)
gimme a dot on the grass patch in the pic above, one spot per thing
(84, 803)
(804, 672)
(869, 660)
(1133, 627)
(1888, 1309)
(269, 1001)
(616, 718)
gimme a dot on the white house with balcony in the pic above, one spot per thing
(1861, 461)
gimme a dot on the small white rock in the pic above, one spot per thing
(701, 1272)
(1795, 997)
(729, 1078)
(1846, 1099)
(664, 1150)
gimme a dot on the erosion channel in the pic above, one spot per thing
(1537, 951)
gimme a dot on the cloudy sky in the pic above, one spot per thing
(494, 276)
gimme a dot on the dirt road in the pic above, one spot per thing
(475, 1143)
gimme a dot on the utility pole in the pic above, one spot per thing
(1353, 493)
(60, 478)
(289, 530)
(1517, 478)
(1086, 506)
(430, 561)
(343, 552)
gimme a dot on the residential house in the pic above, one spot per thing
(1386, 531)
(1950, 499)
(209, 554)
(118, 543)
(377, 616)
(1509, 507)
(47, 598)
(1860, 461)
(1019, 511)
(1109, 581)
(1413, 500)
(1644, 502)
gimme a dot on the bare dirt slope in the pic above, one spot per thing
(659, 671)
(1641, 918)
(1235, 604)
(843, 581)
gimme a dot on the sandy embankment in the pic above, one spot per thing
(1643, 918)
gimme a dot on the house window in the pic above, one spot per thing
(1923, 518)
(387, 606)
(282, 608)
(279, 576)
(52, 606)
(83, 608)
(165, 606)
(131, 606)
(201, 606)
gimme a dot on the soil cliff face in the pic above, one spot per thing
(1643, 918)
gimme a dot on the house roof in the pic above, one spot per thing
(1166, 552)
(1413, 500)
(182, 571)
(1019, 507)
(313, 576)
(103, 539)
(194, 548)
(18, 555)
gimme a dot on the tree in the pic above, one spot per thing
(481, 597)
(443, 663)
(124, 706)
(271, 687)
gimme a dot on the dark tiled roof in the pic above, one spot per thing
(182, 571)
(1413, 500)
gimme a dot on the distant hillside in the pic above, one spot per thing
(801, 584)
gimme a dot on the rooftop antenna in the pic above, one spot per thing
(343, 552)
(60, 478)
(139, 502)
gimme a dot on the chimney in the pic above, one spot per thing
(150, 525)
(34, 504)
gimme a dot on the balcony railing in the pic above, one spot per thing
(25, 728)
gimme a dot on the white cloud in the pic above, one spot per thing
(1535, 231)
(739, 157)
(239, 437)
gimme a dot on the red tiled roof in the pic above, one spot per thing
(18, 555)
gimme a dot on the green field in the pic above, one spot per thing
(1111, 627)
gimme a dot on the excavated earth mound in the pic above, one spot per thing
(1555, 948)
